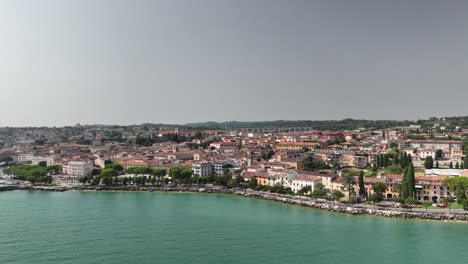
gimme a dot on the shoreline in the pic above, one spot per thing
(281, 198)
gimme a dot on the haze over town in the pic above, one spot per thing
(131, 62)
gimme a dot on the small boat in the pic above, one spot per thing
(440, 205)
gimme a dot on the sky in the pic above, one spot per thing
(136, 61)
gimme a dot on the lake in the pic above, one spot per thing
(121, 227)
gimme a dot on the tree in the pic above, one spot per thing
(153, 180)
(379, 188)
(304, 190)
(411, 181)
(362, 188)
(465, 161)
(6, 159)
(31, 179)
(253, 183)
(437, 164)
(374, 198)
(404, 185)
(457, 166)
(404, 160)
(426, 205)
(107, 172)
(348, 185)
(451, 165)
(125, 181)
(438, 154)
(410, 200)
(198, 135)
(336, 195)
(459, 185)
(43, 164)
(54, 169)
(428, 163)
(119, 168)
(449, 201)
(84, 179)
(319, 191)
(309, 164)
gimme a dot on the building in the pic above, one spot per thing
(205, 169)
(78, 168)
(296, 145)
(23, 158)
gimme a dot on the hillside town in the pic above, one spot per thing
(406, 164)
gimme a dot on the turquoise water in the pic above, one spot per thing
(74, 227)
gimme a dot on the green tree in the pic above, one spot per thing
(375, 198)
(348, 185)
(428, 163)
(319, 191)
(336, 195)
(410, 200)
(6, 159)
(437, 164)
(153, 180)
(438, 154)
(31, 179)
(84, 179)
(426, 205)
(449, 201)
(379, 188)
(117, 167)
(310, 164)
(404, 185)
(198, 135)
(362, 188)
(451, 165)
(54, 169)
(304, 190)
(457, 166)
(411, 181)
(465, 161)
(459, 185)
(107, 172)
(43, 164)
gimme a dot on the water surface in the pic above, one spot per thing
(103, 227)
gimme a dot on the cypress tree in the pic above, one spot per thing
(379, 164)
(411, 181)
(437, 164)
(384, 161)
(451, 165)
(404, 185)
(362, 188)
(396, 161)
(457, 166)
(463, 165)
(428, 163)
(403, 160)
(465, 162)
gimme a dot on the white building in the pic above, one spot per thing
(78, 168)
(23, 158)
(207, 169)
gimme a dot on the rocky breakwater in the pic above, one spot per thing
(355, 210)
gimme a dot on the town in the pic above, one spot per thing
(409, 165)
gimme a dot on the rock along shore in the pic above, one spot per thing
(287, 199)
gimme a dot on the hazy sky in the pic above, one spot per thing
(129, 62)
